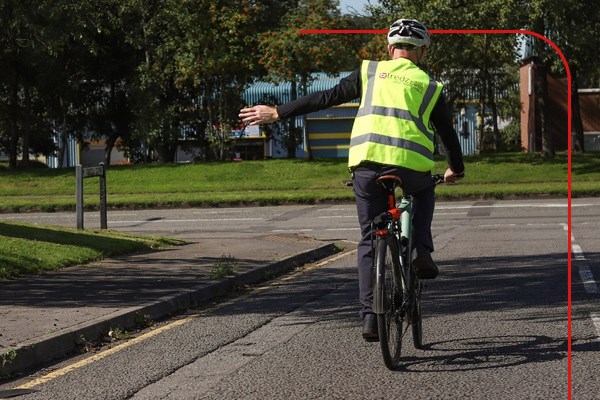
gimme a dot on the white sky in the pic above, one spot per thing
(357, 4)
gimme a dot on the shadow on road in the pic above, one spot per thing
(487, 352)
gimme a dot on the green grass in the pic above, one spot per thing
(283, 181)
(28, 249)
(32, 249)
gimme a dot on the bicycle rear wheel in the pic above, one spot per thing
(388, 300)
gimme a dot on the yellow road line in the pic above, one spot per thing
(96, 357)
(106, 353)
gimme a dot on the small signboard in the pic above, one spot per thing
(81, 173)
(93, 171)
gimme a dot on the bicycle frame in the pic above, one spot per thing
(406, 241)
(396, 289)
(400, 227)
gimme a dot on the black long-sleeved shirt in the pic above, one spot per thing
(349, 88)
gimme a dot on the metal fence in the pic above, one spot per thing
(71, 154)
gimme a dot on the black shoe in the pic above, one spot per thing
(369, 328)
(425, 267)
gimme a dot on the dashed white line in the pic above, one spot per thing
(437, 214)
(585, 274)
(596, 320)
(588, 279)
(495, 225)
(291, 230)
(184, 220)
(228, 211)
(520, 225)
(577, 252)
(516, 205)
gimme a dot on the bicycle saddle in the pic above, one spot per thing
(389, 181)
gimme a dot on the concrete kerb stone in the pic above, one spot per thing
(42, 350)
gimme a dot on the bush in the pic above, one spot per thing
(511, 137)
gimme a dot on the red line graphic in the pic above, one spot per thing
(569, 146)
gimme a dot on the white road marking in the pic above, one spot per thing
(585, 274)
(292, 230)
(596, 320)
(154, 221)
(227, 211)
(437, 214)
(588, 279)
(514, 205)
(576, 252)
(519, 225)
(495, 225)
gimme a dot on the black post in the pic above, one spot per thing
(103, 223)
(79, 195)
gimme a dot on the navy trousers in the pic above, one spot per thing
(371, 200)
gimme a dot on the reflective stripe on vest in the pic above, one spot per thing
(391, 126)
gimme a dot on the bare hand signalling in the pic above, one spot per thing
(259, 115)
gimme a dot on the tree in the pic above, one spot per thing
(566, 23)
(45, 47)
(291, 57)
(197, 56)
(482, 64)
(15, 73)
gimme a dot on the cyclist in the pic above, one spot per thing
(393, 133)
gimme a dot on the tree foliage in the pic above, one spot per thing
(474, 68)
(289, 56)
(486, 62)
(145, 74)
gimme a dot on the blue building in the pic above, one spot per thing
(327, 132)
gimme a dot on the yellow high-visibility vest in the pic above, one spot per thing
(392, 124)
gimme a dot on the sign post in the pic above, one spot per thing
(82, 172)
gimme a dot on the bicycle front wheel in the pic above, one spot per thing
(415, 285)
(388, 299)
(417, 322)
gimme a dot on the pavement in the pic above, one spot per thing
(46, 317)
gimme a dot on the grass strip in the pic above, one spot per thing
(281, 181)
(33, 249)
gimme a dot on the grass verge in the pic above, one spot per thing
(32, 249)
(284, 181)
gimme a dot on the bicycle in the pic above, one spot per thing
(396, 288)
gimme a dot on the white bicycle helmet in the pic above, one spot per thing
(408, 32)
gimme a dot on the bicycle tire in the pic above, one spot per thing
(417, 321)
(390, 320)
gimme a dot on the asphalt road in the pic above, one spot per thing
(495, 322)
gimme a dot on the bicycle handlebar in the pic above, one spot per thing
(438, 178)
